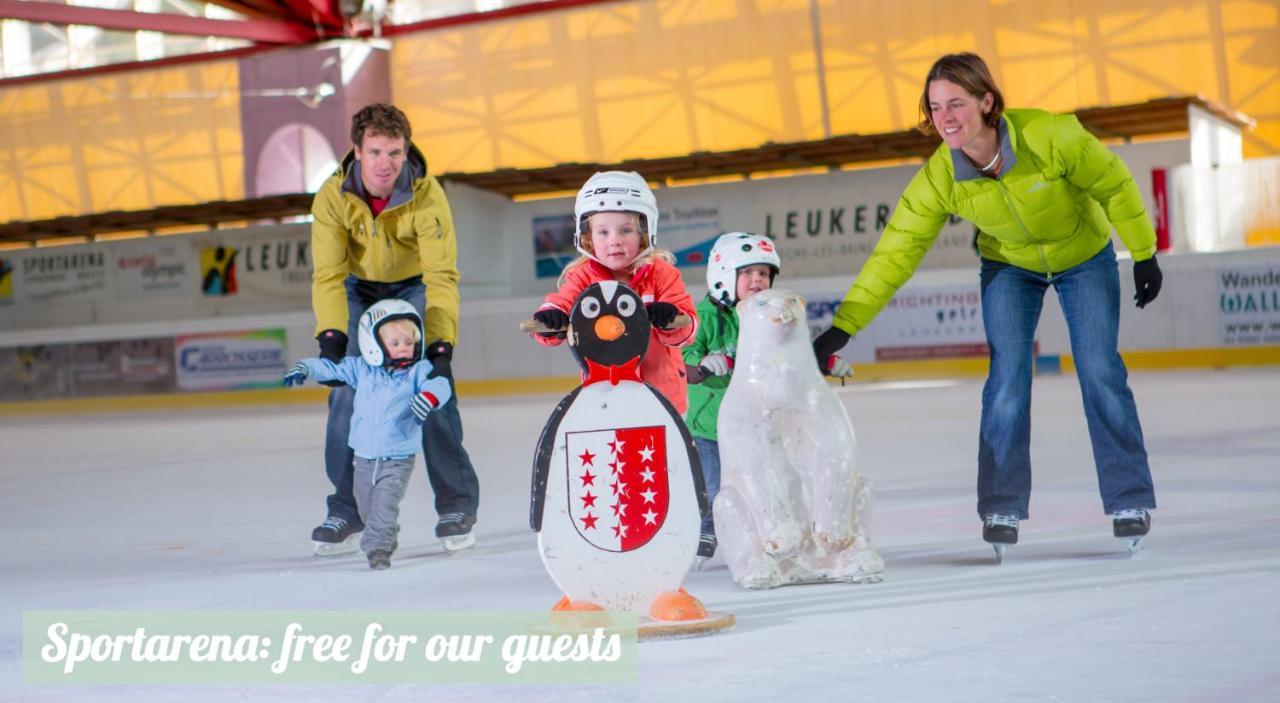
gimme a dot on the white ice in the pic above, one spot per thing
(211, 509)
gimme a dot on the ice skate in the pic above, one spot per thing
(454, 529)
(706, 550)
(1131, 526)
(1000, 530)
(336, 537)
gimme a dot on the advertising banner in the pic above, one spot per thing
(930, 323)
(687, 231)
(919, 322)
(267, 265)
(828, 225)
(218, 270)
(64, 274)
(553, 247)
(276, 266)
(1249, 304)
(34, 372)
(230, 360)
(122, 367)
(823, 225)
(6, 281)
(153, 267)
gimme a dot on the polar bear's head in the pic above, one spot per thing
(774, 317)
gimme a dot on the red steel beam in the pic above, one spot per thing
(532, 8)
(261, 9)
(266, 31)
(323, 11)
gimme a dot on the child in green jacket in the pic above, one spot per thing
(741, 265)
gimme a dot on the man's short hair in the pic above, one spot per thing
(381, 119)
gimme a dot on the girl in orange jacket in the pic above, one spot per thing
(616, 217)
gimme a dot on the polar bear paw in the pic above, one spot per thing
(760, 573)
(858, 564)
(782, 539)
(830, 542)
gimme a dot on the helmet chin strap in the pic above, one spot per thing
(399, 363)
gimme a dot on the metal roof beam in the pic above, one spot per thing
(324, 12)
(266, 31)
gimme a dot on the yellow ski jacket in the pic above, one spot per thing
(412, 236)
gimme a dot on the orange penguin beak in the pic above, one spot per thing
(609, 328)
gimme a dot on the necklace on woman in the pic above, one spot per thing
(991, 164)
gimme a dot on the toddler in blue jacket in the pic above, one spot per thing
(394, 394)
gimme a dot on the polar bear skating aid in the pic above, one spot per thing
(792, 507)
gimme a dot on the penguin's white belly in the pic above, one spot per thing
(620, 522)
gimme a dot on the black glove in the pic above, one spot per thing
(826, 345)
(440, 354)
(333, 347)
(661, 315)
(555, 321)
(1146, 281)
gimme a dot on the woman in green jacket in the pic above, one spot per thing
(1045, 194)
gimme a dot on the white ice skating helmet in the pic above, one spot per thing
(731, 252)
(616, 191)
(379, 314)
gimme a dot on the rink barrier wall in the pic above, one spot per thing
(1217, 309)
(1141, 361)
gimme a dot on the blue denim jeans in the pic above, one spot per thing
(449, 469)
(709, 455)
(1090, 296)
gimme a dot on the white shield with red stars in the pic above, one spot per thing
(619, 434)
(617, 481)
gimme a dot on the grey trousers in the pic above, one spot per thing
(379, 485)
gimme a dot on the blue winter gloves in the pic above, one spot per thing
(297, 374)
(423, 404)
(1146, 281)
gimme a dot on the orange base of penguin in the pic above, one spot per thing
(673, 615)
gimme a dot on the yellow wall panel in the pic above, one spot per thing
(629, 80)
(648, 78)
(124, 141)
(1252, 50)
(721, 75)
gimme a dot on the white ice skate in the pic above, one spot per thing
(454, 531)
(1000, 530)
(336, 537)
(350, 545)
(1131, 526)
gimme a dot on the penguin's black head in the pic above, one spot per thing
(608, 325)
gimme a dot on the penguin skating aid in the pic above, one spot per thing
(617, 497)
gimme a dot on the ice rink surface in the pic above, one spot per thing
(212, 510)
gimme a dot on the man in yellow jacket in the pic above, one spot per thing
(382, 229)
